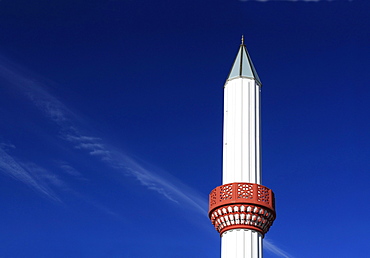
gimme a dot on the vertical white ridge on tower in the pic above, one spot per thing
(241, 209)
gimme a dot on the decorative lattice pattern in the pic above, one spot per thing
(263, 194)
(245, 191)
(213, 197)
(241, 192)
(226, 192)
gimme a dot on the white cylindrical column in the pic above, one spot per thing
(241, 157)
(241, 243)
(241, 141)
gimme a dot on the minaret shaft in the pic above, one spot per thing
(241, 141)
(241, 157)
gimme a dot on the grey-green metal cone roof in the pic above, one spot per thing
(243, 66)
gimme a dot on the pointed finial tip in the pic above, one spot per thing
(242, 39)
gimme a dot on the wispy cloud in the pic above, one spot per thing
(168, 186)
(33, 176)
(6, 146)
(69, 169)
(269, 246)
(117, 159)
(149, 178)
(43, 181)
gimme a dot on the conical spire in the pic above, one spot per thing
(243, 66)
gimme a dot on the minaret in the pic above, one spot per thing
(242, 210)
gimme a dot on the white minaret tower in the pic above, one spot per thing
(242, 210)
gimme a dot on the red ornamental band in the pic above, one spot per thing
(242, 206)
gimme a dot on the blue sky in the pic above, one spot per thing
(111, 133)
